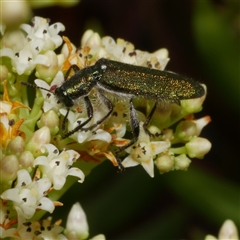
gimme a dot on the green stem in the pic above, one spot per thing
(179, 150)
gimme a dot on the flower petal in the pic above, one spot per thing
(46, 204)
(129, 162)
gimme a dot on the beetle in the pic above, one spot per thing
(125, 81)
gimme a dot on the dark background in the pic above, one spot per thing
(203, 42)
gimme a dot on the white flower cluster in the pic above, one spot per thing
(123, 51)
(36, 162)
(31, 166)
(28, 51)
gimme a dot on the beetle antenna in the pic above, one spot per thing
(34, 86)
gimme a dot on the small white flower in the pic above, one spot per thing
(29, 195)
(50, 101)
(40, 29)
(143, 151)
(56, 167)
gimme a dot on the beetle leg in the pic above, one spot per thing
(74, 68)
(135, 130)
(89, 108)
(109, 105)
(148, 120)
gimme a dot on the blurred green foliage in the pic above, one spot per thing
(218, 48)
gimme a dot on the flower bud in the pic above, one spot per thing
(186, 130)
(154, 130)
(228, 231)
(8, 168)
(93, 41)
(3, 73)
(16, 145)
(47, 73)
(26, 159)
(14, 12)
(90, 39)
(182, 162)
(167, 134)
(50, 119)
(194, 105)
(201, 123)
(87, 34)
(161, 53)
(77, 222)
(164, 163)
(198, 147)
(39, 138)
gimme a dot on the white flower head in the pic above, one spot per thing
(125, 51)
(27, 58)
(29, 195)
(121, 50)
(56, 167)
(143, 151)
(40, 38)
(38, 229)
